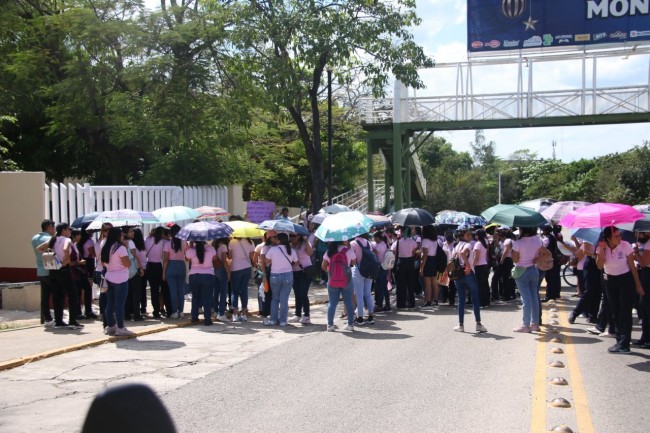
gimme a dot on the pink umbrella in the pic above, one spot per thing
(555, 212)
(600, 215)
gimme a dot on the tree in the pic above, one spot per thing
(6, 164)
(288, 45)
(483, 151)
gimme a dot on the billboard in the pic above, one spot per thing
(500, 25)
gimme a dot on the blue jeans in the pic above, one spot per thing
(301, 293)
(239, 283)
(176, 279)
(362, 288)
(115, 299)
(334, 294)
(220, 290)
(382, 297)
(202, 286)
(528, 289)
(464, 283)
(280, 291)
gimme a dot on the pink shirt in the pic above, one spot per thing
(281, 261)
(507, 243)
(616, 259)
(355, 245)
(201, 268)
(303, 258)
(142, 257)
(240, 250)
(222, 253)
(406, 247)
(154, 250)
(349, 254)
(175, 255)
(60, 244)
(86, 247)
(482, 251)
(528, 249)
(380, 250)
(99, 244)
(116, 272)
(465, 246)
(431, 246)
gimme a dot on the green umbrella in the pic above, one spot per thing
(514, 216)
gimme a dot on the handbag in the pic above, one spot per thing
(518, 272)
(133, 269)
(455, 269)
(51, 261)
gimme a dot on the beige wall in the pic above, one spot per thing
(21, 195)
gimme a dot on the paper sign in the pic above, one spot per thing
(259, 211)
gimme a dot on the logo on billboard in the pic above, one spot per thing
(585, 37)
(513, 8)
(599, 36)
(535, 41)
(493, 44)
(510, 44)
(638, 34)
(564, 37)
(618, 35)
(548, 40)
(477, 44)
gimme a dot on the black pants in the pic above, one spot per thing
(406, 283)
(553, 282)
(46, 295)
(83, 286)
(507, 282)
(592, 290)
(63, 285)
(621, 292)
(644, 305)
(495, 284)
(143, 295)
(132, 304)
(482, 274)
(154, 276)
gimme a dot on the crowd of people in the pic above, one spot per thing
(430, 265)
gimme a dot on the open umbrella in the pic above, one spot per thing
(593, 235)
(555, 212)
(513, 215)
(319, 218)
(452, 217)
(174, 214)
(380, 220)
(335, 208)
(413, 216)
(84, 221)
(642, 207)
(600, 215)
(282, 226)
(344, 226)
(538, 204)
(641, 225)
(211, 212)
(204, 231)
(244, 229)
(123, 217)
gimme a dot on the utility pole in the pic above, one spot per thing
(554, 144)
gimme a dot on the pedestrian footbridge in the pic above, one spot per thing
(593, 87)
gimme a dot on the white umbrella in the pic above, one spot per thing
(335, 208)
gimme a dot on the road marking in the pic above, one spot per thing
(538, 415)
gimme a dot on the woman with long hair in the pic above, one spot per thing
(86, 248)
(281, 258)
(382, 296)
(481, 267)
(335, 251)
(241, 269)
(222, 276)
(116, 259)
(202, 260)
(135, 244)
(616, 257)
(154, 247)
(173, 271)
(79, 276)
(301, 278)
(428, 266)
(642, 256)
(61, 279)
(506, 265)
(525, 252)
(259, 257)
(467, 281)
(405, 273)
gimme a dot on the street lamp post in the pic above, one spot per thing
(329, 132)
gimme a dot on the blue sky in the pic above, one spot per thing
(443, 34)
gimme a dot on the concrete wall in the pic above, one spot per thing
(23, 209)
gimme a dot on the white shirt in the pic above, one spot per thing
(616, 259)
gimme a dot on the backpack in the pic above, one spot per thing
(441, 259)
(389, 260)
(544, 263)
(369, 265)
(339, 272)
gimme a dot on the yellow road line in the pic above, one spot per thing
(579, 395)
(538, 415)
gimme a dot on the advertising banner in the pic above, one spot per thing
(259, 211)
(499, 25)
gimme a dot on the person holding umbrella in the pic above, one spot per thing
(467, 282)
(616, 257)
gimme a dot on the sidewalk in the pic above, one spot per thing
(25, 340)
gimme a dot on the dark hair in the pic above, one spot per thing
(84, 238)
(157, 234)
(200, 250)
(112, 238)
(138, 239)
(379, 235)
(526, 232)
(333, 248)
(176, 243)
(430, 232)
(608, 232)
(283, 238)
(481, 235)
(59, 228)
(46, 223)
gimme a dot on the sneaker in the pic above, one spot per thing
(49, 323)
(522, 328)
(618, 349)
(222, 318)
(110, 330)
(330, 328)
(75, 325)
(349, 328)
(207, 322)
(173, 316)
(266, 321)
(235, 318)
(123, 332)
(371, 320)
(305, 320)
(481, 328)
(180, 315)
(534, 327)
(359, 321)
(283, 323)
(194, 320)
(608, 334)
(572, 319)
(272, 323)
(243, 318)
(594, 330)
(92, 316)
(459, 328)
(61, 325)
(427, 306)
(294, 319)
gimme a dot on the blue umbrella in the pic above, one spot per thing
(204, 231)
(300, 230)
(173, 214)
(460, 218)
(282, 226)
(344, 226)
(84, 221)
(593, 235)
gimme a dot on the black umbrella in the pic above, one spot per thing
(84, 221)
(413, 217)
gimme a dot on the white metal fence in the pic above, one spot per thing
(65, 202)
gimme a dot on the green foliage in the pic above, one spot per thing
(5, 163)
